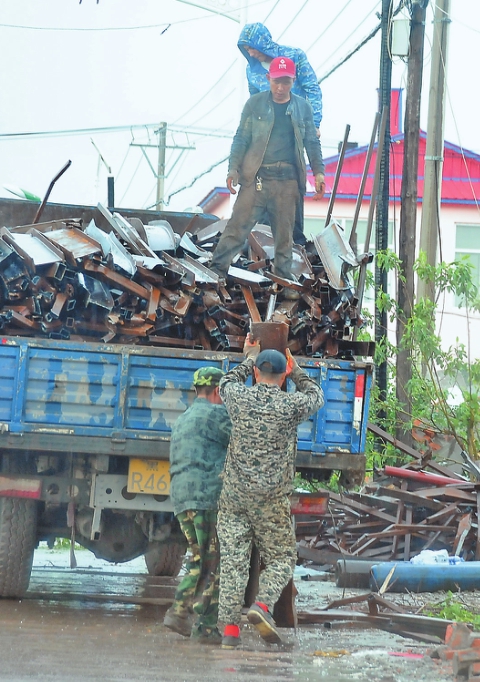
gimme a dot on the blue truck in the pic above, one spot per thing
(85, 429)
(84, 444)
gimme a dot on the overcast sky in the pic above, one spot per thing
(68, 66)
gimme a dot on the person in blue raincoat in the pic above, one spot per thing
(258, 48)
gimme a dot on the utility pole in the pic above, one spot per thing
(408, 214)
(162, 147)
(383, 198)
(432, 191)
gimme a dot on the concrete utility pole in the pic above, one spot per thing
(408, 214)
(432, 192)
(160, 172)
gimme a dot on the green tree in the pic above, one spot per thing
(435, 368)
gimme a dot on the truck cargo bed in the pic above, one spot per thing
(66, 396)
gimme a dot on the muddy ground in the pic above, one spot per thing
(72, 627)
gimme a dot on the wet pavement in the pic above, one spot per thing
(82, 625)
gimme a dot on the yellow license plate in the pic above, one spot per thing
(149, 476)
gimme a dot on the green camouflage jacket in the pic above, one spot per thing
(261, 455)
(198, 446)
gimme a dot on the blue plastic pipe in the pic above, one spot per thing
(426, 578)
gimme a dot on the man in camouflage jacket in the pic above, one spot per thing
(198, 446)
(254, 504)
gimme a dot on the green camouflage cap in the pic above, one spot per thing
(207, 376)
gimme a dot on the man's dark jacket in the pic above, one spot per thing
(198, 446)
(253, 134)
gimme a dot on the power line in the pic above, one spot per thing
(329, 25)
(371, 35)
(229, 94)
(291, 22)
(205, 94)
(203, 132)
(271, 11)
(197, 177)
(368, 15)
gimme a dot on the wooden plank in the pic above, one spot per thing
(410, 497)
(447, 491)
(396, 539)
(408, 537)
(362, 507)
(446, 511)
(410, 451)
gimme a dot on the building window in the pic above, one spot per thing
(467, 243)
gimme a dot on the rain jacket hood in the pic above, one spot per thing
(259, 38)
(305, 85)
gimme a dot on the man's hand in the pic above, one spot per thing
(318, 132)
(251, 347)
(232, 181)
(291, 362)
(319, 186)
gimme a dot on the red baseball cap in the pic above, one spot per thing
(282, 66)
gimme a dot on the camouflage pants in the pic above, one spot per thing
(199, 587)
(268, 523)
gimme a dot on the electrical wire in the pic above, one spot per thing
(371, 35)
(291, 22)
(197, 177)
(165, 25)
(271, 11)
(329, 26)
(205, 132)
(131, 180)
(229, 94)
(205, 94)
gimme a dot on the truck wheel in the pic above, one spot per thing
(18, 537)
(165, 558)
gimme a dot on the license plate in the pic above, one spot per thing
(149, 476)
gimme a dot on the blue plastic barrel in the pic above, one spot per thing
(426, 578)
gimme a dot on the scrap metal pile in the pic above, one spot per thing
(404, 511)
(144, 284)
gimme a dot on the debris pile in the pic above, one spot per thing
(462, 649)
(422, 505)
(136, 283)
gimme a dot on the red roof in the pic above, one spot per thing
(461, 172)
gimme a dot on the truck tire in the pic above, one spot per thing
(165, 558)
(18, 537)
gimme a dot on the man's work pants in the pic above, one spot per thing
(279, 198)
(269, 524)
(199, 587)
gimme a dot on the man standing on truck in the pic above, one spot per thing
(267, 159)
(254, 504)
(258, 48)
(198, 446)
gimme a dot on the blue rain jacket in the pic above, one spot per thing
(306, 84)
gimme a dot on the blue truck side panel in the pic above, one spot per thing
(136, 392)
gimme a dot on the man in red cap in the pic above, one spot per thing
(267, 160)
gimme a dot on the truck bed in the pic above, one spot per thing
(67, 396)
